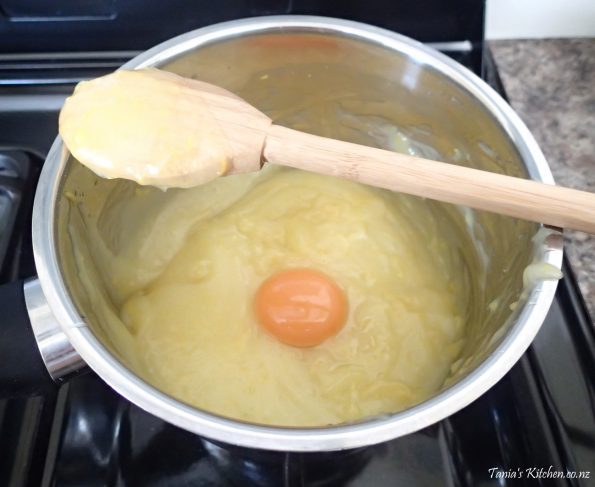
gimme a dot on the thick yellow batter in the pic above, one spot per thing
(197, 338)
(149, 126)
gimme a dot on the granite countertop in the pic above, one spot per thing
(551, 85)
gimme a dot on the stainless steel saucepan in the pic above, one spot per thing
(378, 78)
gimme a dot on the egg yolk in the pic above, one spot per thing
(301, 307)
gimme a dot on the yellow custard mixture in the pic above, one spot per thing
(186, 297)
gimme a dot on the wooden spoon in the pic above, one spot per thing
(165, 130)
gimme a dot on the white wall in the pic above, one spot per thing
(527, 19)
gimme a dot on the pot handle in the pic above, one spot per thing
(22, 371)
(34, 352)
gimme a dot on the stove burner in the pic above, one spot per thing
(19, 171)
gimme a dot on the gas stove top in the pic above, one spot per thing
(540, 415)
(537, 421)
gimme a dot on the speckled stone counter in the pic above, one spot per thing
(551, 84)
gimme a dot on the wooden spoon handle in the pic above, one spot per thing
(521, 198)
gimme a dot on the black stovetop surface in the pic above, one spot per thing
(541, 415)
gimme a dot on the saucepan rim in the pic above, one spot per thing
(526, 323)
